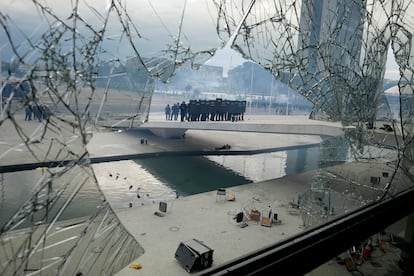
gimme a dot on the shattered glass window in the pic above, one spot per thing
(334, 53)
(71, 69)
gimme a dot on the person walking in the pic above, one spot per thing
(175, 109)
(28, 111)
(167, 110)
(37, 113)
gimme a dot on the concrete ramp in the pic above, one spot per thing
(299, 125)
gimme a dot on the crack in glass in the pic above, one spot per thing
(334, 53)
(88, 66)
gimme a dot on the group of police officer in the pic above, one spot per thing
(207, 110)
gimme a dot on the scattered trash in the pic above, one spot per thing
(226, 146)
(135, 266)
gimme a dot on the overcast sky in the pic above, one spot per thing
(157, 21)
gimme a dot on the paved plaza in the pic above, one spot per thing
(206, 216)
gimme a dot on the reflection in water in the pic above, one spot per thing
(163, 179)
(129, 184)
(298, 161)
(18, 187)
(272, 165)
(152, 180)
(192, 175)
(256, 167)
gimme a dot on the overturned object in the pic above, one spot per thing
(194, 255)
